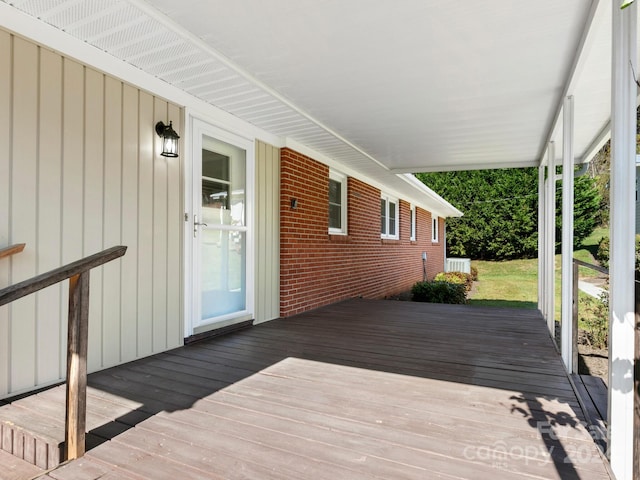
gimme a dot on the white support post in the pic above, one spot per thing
(567, 235)
(550, 238)
(622, 226)
(542, 306)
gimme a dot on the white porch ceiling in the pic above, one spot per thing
(393, 85)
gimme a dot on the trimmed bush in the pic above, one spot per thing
(439, 292)
(455, 277)
(603, 253)
(594, 314)
(474, 273)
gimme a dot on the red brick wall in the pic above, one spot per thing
(317, 268)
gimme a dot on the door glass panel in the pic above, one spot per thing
(223, 272)
(222, 237)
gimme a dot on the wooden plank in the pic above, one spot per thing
(11, 250)
(598, 392)
(75, 423)
(13, 468)
(351, 412)
(379, 441)
(140, 464)
(206, 452)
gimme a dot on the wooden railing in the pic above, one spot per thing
(11, 250)
(77, 339)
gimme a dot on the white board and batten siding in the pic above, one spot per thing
(80, 172)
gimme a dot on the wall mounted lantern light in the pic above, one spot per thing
(169, 139)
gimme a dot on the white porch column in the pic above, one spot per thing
(542, 306)
(550, 237)
(567, 234)
(622, 259)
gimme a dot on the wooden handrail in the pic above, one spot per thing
(19, 290)
(591, 266)
(77, 336)
(11, 250)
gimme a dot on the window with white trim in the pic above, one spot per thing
(434, 229)
(388, 217)
(413, 223)
(337, 203)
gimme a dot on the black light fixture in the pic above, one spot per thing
(169, 139)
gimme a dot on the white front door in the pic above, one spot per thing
(220, 229)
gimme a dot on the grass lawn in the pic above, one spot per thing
(514, 283)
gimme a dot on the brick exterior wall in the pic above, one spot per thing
(318, 268)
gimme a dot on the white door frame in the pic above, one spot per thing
(195, 127)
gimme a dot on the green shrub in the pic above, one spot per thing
(603, 253)
(439, 292)
(455, 277)
(594, 314)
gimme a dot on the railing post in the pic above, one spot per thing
(574, 333)
(76, 413)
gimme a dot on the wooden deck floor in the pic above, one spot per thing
(358, 390)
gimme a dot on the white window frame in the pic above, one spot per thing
(384, 234)
(435, 223)
(414, 219)
(339, 177)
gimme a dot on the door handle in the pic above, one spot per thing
(195, 225)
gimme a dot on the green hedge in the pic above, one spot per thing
(462, 278)
(439, 292)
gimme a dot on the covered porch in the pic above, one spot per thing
(359, 389)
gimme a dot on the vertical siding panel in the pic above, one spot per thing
(72, 177)
(267, 232)
(49, 214)
(275, 223)
(5, 189)
(159, 267)
(111, 333)
(175, 328)
(129, 225)
(261, 241)
(23, 209)
(93, 204)
(78, 174)
(145, 224)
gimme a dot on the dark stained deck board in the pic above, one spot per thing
(598, 393)
(361, 389)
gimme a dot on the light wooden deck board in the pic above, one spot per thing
(361, 389)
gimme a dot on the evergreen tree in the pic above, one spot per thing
(501, 211)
